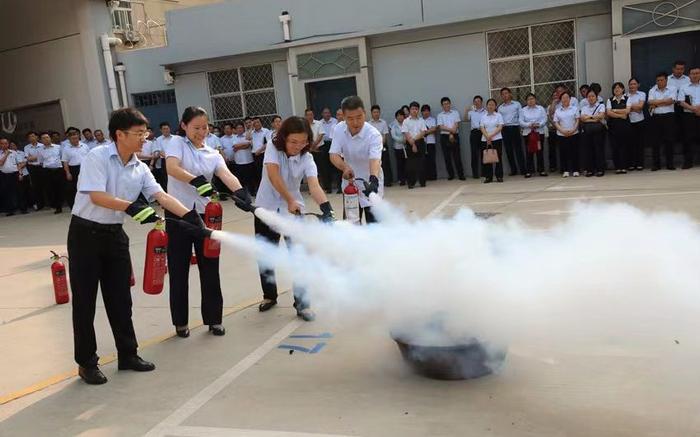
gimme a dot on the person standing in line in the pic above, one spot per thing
(257, 135)
(661, 103)
(399, 141)
(533, 118)
(89, 138)
(414, 129)
(677, 79)
(146, 153)
(9, 170)
(242, 156)
(72, 157)
(430, 152)
(619, 128)
(635, 103)
(287, 163)
(448, 124)
(357, 152)
(69, 132)
(323, 162)
(474, 114)
(583, 91)
(491, 125)
(552, 137)
(592, 118)
(24, 189)
(36, 171)
(55, 137)
(510, 111)
(50, 158)
(160, 144)
(383, 129)
(326, 169)
(100, 138)
(689, 97)
(337, 175)
(191, 165)
(566, 120)
(227, 148)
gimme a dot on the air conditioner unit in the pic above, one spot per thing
(131, 36)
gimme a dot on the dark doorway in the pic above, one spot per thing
(158, 106)
(655, 54)
(329, 93)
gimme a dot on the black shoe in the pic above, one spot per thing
(182, 333)
(450, 178)
(402, 183)
(92, 375)
(655, 169)
(488, 180)
(623, 171)
(422, 185)
(543, 174)
(9, 214)
(630, 168)
(528, 175)
(410, 187)
(306, 314)
(640, 168)
(476, 177)
(388, 185)
(687, 166)
(499, 179)
(135, 363)
(513, 173)
(266, 304)
(217, 330)
(600, 174)
(58, 211)
(670, 167)
(552, 169)
(462, 178)
(24, 212)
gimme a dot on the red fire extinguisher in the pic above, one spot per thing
(60, 282)
(155, 266)
(213, 216)
(351, 197)
(193, 259)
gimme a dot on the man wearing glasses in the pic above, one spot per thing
(113, 181)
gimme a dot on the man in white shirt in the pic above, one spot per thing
(158, 151)
(258, 136)
(430, 152)
(356, 150)
(661, 103)
(72, 157)
(448, 125)
(9, 178)
(474, 115)
(383, 128)
(66, 141)
(414, 130)
(322, 138)
(50, 157)
(36, 172)
(24, 188)
(100, 138)
(243, 158)
(677, 79)
(512, 141)
(689, 99)
(89, 138)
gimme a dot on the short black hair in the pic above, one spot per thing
(42, 133)
(633, 79)
(125, 118)
(445, 99)
(505, 88)
(236, 124)
(616, 84)
(530, 95)
(229, 124)
(98, 130)
(87, 129)
(583, 87)
(256, 118)
(72, 128)
(192, 112)
(694, 67)
(414, 104)
(31, 132)
(247, 118)
(306, 111)
(351, 103)
(478, 97)
(492, 100)
(565, 92)
(425, 107)
(661, 74)
(398, 112)
(596, 88)
(375, 107)
(275, 117)
(679, 62)
(164, 124)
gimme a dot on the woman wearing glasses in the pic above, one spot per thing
(191, 165)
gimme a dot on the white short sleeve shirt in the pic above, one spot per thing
(10, 165)
(635, 99)
(103, 170)
(244, 156)
(293, 170)
(51, 156)
(667, 93)
(690, 92)
(32, 150)
(510, 113)
(74, 155)
(430, 123)
(474, 116)
(566, 117)
(327, 128)
(448, 119)
(490, 122)
(413, 126)
(259, 138)
(530, 115)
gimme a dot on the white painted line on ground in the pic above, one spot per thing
(200, 399)
(568, 187)
(611, 196)
(553, 212)
(201, 431)
(445, 203)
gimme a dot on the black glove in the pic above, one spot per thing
(243, 201)
(193, 224)
(142, 212)
(328, 215)
(203, 186)
(372, 186)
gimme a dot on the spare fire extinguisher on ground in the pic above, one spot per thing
(155, 266)
(351, 198)
(213, 216)
(60, 279)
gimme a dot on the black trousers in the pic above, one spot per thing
(475, 151)
(401, 164)
(55, 181)
(430, 163)
(553, 147)
(691, 131)
(514, 149)
(161, 176)
(452, 154)
(593, 147)
(24, 193)
(257, 172)
(619, 134)
(37, 176)
(664, 126)
(569, 150)
(9, 190)
(267, 275)
(488, 169)
(245, 174)
(415, 163)
(325, 168)
(72, 185)
(637, 143)
(386, 167)
(99, 254)
(537, 156)
(179, 253)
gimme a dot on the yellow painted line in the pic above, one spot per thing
(112, 357)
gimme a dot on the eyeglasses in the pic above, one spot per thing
(142, 134)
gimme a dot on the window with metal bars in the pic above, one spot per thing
(532, 59)
(242, 92)
(154, 98)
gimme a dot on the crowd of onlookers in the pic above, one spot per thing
(574, 130)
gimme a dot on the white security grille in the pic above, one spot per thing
(532, 59)
(242, 92)
(328, 63)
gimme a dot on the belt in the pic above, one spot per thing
(85, 223)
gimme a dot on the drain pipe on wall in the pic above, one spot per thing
(120, 69)
(107, 42)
